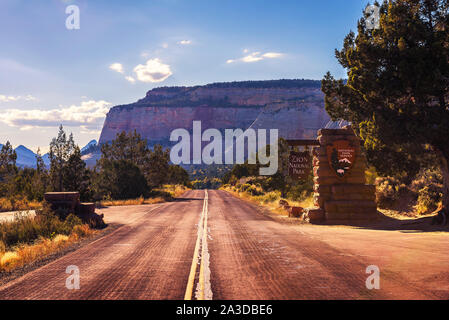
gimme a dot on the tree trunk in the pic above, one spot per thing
(443, 214)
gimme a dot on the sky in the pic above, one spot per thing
(51, 74)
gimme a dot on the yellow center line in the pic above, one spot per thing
(203, 253)
(202, 226)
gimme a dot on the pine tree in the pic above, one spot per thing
(40, 178)
(76, 176)
(156, 169)
(67, 170)
(60, 151)
(8, 169)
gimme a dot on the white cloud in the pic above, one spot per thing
(118, 67)
(130, 79)
(252, 57)
(272, 55)
(153, 71)
(4, 98)
(256, 56)
(165, 45)
(185, 42)
(89, 116)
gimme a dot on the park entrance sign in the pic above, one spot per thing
(341, 156)
(299, 165)
(340, 189)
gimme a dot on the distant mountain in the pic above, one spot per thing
(92, 143)
(26, 158)
(46, 158)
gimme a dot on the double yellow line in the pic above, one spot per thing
(200, 242)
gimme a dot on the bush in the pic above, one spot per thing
(255, 190)
(388, 190)
(429, 198)
(427, 177)
(26, 229)
(70, 222)
(271, 197)
(81, 230)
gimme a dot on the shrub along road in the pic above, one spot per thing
(248, 256)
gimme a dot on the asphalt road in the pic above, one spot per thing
(224, 248)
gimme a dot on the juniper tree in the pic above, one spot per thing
(396, 93)
(8, 168)
(76, 176)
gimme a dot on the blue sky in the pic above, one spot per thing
(49, 74)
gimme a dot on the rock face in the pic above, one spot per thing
(295, 107)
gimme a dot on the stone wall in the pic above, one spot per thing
(341, 198)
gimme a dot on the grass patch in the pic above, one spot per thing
(18, 204)
(269, 200)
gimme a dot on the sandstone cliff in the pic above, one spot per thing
(295, 107)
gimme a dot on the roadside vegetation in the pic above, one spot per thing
(29, 238)
(399, 195)
(274, 192)
(402, 196)
(160, 195)
(271, 200)
(127, 172)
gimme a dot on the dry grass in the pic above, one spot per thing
(167, 192)
(174, 190)
(18, 204)
(270, 200)
(24, 254)
(132, 202)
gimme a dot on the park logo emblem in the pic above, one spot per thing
(341, 155)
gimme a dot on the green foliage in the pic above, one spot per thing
(178, 175)
(388, 191)
(76, 177)
(127, 146)
(120, 179)
(428, 199)
(424, 193)
(157, 167)
(61, 149)
(67, 170)
(396, 95)
(128, 168)
(206, 183)
(8, 168)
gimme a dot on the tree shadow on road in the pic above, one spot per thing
(187, 199)
(384, 222)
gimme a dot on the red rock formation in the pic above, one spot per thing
(295, 107)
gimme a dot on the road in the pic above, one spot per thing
(241, 254)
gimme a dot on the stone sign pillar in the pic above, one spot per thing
(340, 189)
